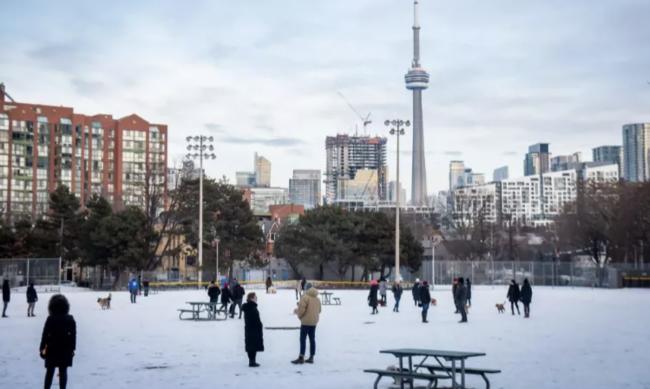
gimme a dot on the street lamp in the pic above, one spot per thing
(397, 129)
(215, 243)
(200, 147)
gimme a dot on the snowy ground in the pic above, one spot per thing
(576, 338)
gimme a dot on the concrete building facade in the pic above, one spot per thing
(305, 188)
(635, 163)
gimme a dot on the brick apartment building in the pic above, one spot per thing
(42, 146)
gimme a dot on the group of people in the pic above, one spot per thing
(232, 294)
(136, 286)
(525, 295)
(32, 298)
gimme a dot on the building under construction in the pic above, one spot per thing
(348, 155)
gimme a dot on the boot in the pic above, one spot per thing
(310, 359)
(253, 364)
(299, 361)
(424, 318)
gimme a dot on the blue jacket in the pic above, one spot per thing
(133, 285)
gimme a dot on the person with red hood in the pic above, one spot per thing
(372, 296)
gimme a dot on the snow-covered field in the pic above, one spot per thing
(576, 338)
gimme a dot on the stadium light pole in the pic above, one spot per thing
(397, 129)
(200, 147)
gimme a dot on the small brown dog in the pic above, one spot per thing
(501, 308)
(434, 302)
(105, 303)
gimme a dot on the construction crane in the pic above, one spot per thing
(365, 120)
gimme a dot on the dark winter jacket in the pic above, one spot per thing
(454, 287)
(269, 283)
(225, 296)
(253, 327)
(213, 293)
(469, 289)
(6, 292)
(461, 295)
(238, 292)
(397, 291)
(372, 296)
(513, 293)
(59, 341)
(416, 291)
(303, 282)
(32, 297)
(425, 296)
(526, 293)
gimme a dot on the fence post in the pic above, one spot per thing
(27, 279)
(532, 271)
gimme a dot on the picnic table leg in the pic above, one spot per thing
(401, 368)
(453, 372)
(462, 372)
(411, 370)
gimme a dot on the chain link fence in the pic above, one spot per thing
(21, 271)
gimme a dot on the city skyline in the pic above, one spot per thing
(491, 94)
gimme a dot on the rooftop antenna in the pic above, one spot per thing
(3, 91)
(365, 120)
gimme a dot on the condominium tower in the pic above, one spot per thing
(636, 152)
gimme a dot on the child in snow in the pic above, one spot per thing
(32, 298)
(59, 340)
(397, 295)
(382, 291)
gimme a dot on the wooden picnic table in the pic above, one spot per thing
(327, 299)
(438, 355)
(197, 307)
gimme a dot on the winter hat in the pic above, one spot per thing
(373, 282)
(417, 280)
(308, 286)
(425, 283)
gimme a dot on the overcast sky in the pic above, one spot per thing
(265, 75)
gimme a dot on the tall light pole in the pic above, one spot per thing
(397, 129)
(200, 147)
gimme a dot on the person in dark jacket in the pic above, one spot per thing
(238, 294)
(372, 296)
(397, 294)
(513, 296)
(526, 297)
(32, 298)
(461, 298)
(145, 285)
(59, 340)
(416, 292)
(213, 293)
(425, 300)
(469, 292)
(269, 284)
(454, 286)
(6, 297)
(253, 336)
(225, 297)
(303, 284)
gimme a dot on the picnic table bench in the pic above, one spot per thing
(405, 375)
(201, 310)
(328, 299)
(471, 371)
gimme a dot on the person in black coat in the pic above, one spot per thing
(416, 292)
(213, 293)
(397, 294)
(59, 340)
(32, 298)
(454, 286)
(6, 296)
(468, 284)
(461, 299)
(526, 297)
(225, 297)
(253, 336)
(237, 298)
(372, 296)
(513, 296)
(425, 300)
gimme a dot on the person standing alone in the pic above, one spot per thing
(397, 295)
(32, 298)
(383, 288)
(425, 300)
(526, 297)
(308, 312)
(133, 289)
(416, 292)
(6, 297)
(461, 299)
(253, 336)
(469, 292)
(372, 297)
(513, 296)
(59, 340)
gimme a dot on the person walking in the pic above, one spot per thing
(298, 287)
(513, 296)
(383, 288)
(416, 292)
(225, 297)
(425, 300)
(145, 285)
(461, 298)
(469, 292)
(269, 284)
(6, 297)
(133, 289)
(397, 295)
(372, 297)
(139, 285)
(454, 286)
(213, 294)
(308, 312)
(526, 297)
(303, 285)
(238, 294)
(59, 341)
(32, 298)
(253, 336)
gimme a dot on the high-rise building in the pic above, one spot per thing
(43, 146)
(348, 154)
(500, 174)
(607, 154)
(471, 178)
(565, 162)
(245, 179)
(262, 171)
(417, 80)
(304, 188)
(636, 152)
(537, 160)
(456, 174)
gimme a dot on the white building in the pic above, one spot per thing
(472, 203)
(263, 198)
(635, 163)
(304, 188)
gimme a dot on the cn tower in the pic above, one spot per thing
(416, 80)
